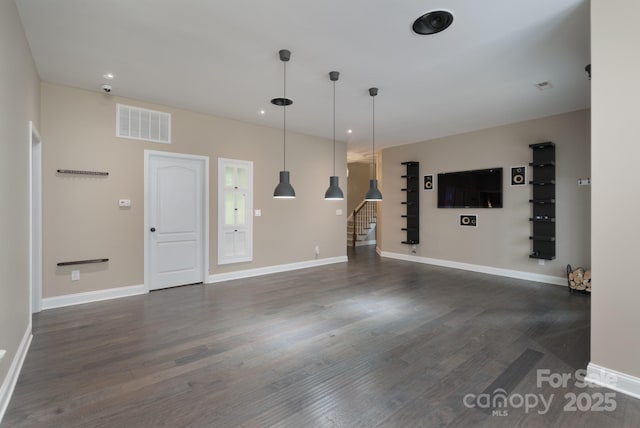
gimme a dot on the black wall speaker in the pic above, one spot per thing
(433, 22)
(428, 182)
(469, 220)
(517, 176)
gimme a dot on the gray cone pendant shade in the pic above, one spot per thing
(373, 194)
(284, 189)
(334, 193)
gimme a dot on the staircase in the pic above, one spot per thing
(361, 225)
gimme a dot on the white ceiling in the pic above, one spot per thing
(221, 57)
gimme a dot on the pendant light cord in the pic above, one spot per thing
(284, 127)
(334, 127)
(373, 138)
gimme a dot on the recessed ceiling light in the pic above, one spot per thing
(433, 22)
(262, 112)
(349, 131)
(108, 76)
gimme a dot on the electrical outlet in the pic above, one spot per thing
(258, 212)
(584, 181)
(75, 275)
(2, 352)
(541, 262)
(124, 203)
(317, 250)
(338, 211)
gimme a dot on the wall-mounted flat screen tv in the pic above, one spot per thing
(480, 188)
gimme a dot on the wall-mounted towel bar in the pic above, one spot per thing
(82, 262)
(74, 171)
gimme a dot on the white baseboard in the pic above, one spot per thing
(248, 273)
(9, 383)
(529, 276)
(92, 296)
(114, 293)
(612, 379)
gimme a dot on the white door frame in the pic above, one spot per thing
(35, 219)
(222, 163)
(147, 211)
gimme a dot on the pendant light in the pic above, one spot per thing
(334, 193)
(284, 189)
(373, 194)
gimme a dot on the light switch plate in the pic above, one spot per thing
(75, 275)
(584, 181)
(338, 211)
(258, 212)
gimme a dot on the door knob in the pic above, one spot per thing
(153, 229)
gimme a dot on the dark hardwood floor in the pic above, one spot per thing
(361, 344)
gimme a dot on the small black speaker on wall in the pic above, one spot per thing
(428, 182)
(518, 175)
(469, 220)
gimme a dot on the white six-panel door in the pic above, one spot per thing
(175, 223)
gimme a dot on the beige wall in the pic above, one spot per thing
(615, 92)
(357, 184)
(82, 219)
(19, 95)
(502, 238)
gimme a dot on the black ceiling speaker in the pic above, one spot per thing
(433, 22)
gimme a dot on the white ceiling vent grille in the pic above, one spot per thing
(142, 124)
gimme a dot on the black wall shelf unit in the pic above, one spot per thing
(543, 202)
(412, 190)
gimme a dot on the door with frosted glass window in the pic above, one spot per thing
(235, 202)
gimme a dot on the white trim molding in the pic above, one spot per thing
(9, 384)
(92, 296)
(528, 276)
(35, 219)
(248, 273)
(612, 379)
(240, 232)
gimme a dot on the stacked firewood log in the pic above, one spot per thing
(580, 279)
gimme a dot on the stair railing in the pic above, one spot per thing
(363, 216)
